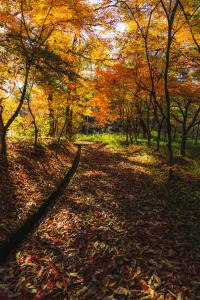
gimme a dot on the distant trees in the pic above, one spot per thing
(156, 84)
(64, 63)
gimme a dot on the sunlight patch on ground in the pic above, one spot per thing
(143, 159)
(136, 168)
(94, 173)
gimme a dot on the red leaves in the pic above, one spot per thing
(54, 272)
(90, 237)
(144, 287)
(98, 241)
(56, 240)
(50, 284)
(29, 259)
(36, 257)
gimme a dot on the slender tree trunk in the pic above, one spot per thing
(148, 127)
(174, 135)
(142, 122)
(144, 128)
(67, 127)
(51, 116)
(36, 138)
(21, 101)
(160, 125)
(70, 124)
(3, 145)
(184, 133)
(136, 132)
(197, 134)
(131, 134)
(165, 135)
(5, 128)
(62, 130)
(36, 131)
(168, 103)
(170, 19)
(131, 138)
(126, 131)
(183, 144)
(56, 125)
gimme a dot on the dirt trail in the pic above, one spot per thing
(108, 237)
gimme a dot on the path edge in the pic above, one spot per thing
(18, 236)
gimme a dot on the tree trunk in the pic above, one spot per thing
(197, 134)
(35, 137)
(160, 125)
(67, 127)
(168, 101)
(184, 134)
(70, 124)
(51, 116)
(62, 130)
(5, 128)
(174, 135)
(136, 132)
(36, 131)
(148, 127)
(3, 145)
(126, 131)
(183, 144)
(170, 18)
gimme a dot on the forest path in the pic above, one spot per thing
(109, 235)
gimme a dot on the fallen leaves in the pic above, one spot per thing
(27, 180)
(99, 243)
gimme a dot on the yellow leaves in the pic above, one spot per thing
(132, 26)
(128, 97)
(122, 291)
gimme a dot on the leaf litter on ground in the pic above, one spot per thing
(27, 179)
(111, 235)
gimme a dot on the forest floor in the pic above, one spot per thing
(119, 231)
(27, 179)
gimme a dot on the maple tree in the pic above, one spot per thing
(158, 44)
(129, 68)
(57, 48)
(30, 33)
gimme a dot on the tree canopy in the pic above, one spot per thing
(134, 63)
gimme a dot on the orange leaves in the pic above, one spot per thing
(115, 88)
(71, 86)
(185, 88)
(6, 18)
(101, 110)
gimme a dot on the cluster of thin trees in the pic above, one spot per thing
(155, 87)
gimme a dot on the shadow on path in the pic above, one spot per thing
(114, 234)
